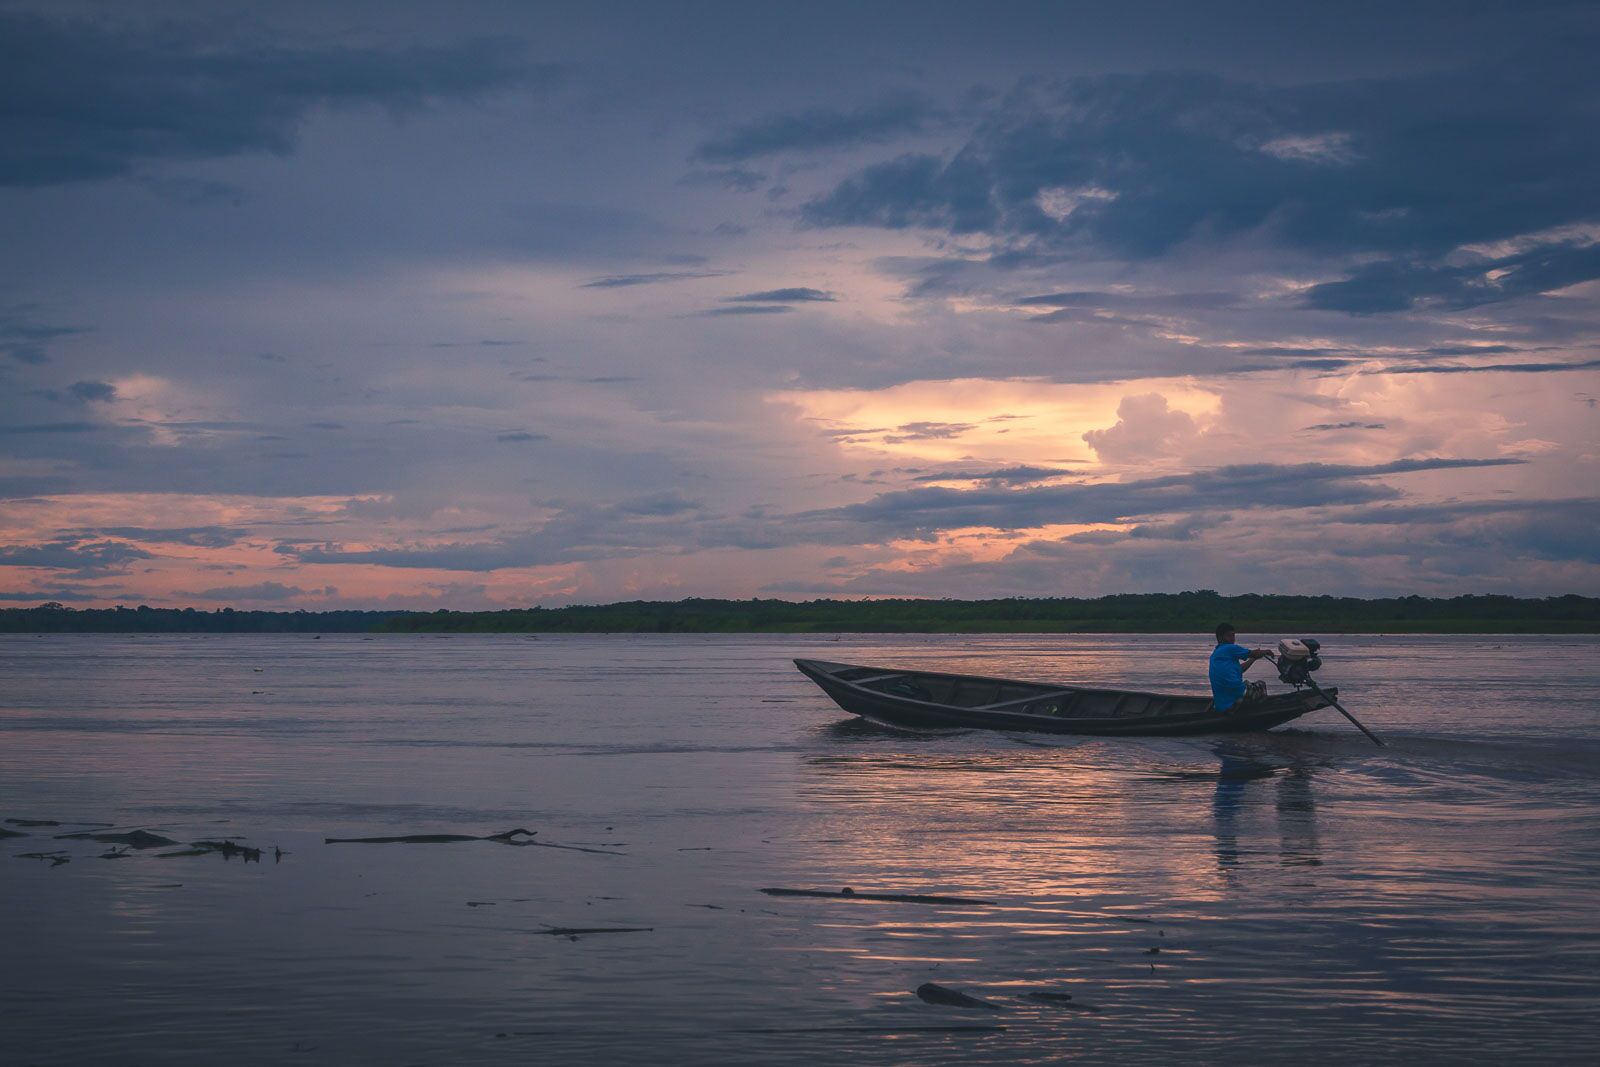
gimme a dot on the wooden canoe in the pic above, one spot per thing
(928, 700)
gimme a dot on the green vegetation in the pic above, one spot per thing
(55, 618)
(1193, 612)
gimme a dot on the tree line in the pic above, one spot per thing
(1196, 611)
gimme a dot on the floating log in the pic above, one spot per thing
(132, 838)
(508, 838)
(1059, 1000)
(850, 894)
(952, 998)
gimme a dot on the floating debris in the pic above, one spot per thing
(1060, 1000)
(55, 859)
(225, 848)
(140, 839)
(509, 837)
(576, 931)
(850, 894)
(943, 996)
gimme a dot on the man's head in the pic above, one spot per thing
(1224, 633)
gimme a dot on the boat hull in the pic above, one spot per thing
(1040, 708)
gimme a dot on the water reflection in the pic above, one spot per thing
(1295, 805)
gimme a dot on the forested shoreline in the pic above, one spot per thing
(1125, 613)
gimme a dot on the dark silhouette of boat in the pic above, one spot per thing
(927, 700)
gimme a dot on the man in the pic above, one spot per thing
(1228, 664)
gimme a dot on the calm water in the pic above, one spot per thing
(1309, 894)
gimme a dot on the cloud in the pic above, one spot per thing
(1185, 529)
(1324, 427)
(624, 281)
(45, 596)
(1145, 429)
(92, 392)
(51, 427)
(815, 129)
(1402, 284)
(784, 296)
(83, 557)
(90, 100)
(748, 309)
(927, 431)
(261, 591)
(194, 536)
(21, 337)
(579, 532)
(917, 513)
(1134, 165)
(1132, 301)
(1020, 473)
(1494, 368)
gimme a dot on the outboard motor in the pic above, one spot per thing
(1297, 659)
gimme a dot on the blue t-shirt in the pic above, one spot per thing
(1227, 677)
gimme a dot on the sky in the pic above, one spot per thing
(485, 305)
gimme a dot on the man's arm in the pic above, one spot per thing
(1255, 654)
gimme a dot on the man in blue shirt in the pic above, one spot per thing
(1228, 664)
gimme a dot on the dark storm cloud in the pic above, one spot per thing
(817, 128)
(194, 536)
(88, 100)
(22, 337)
(1546, 529)
(45, 596)
(92, 392)
(1151, 301)
(1403, 168)
(1186, 529)
(50, 427)
(1398, 285)
(625, 281)
(921, 512)
(82, 557)
(671, 523)
(798, 295)
(1495, 368)
(748, 309)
